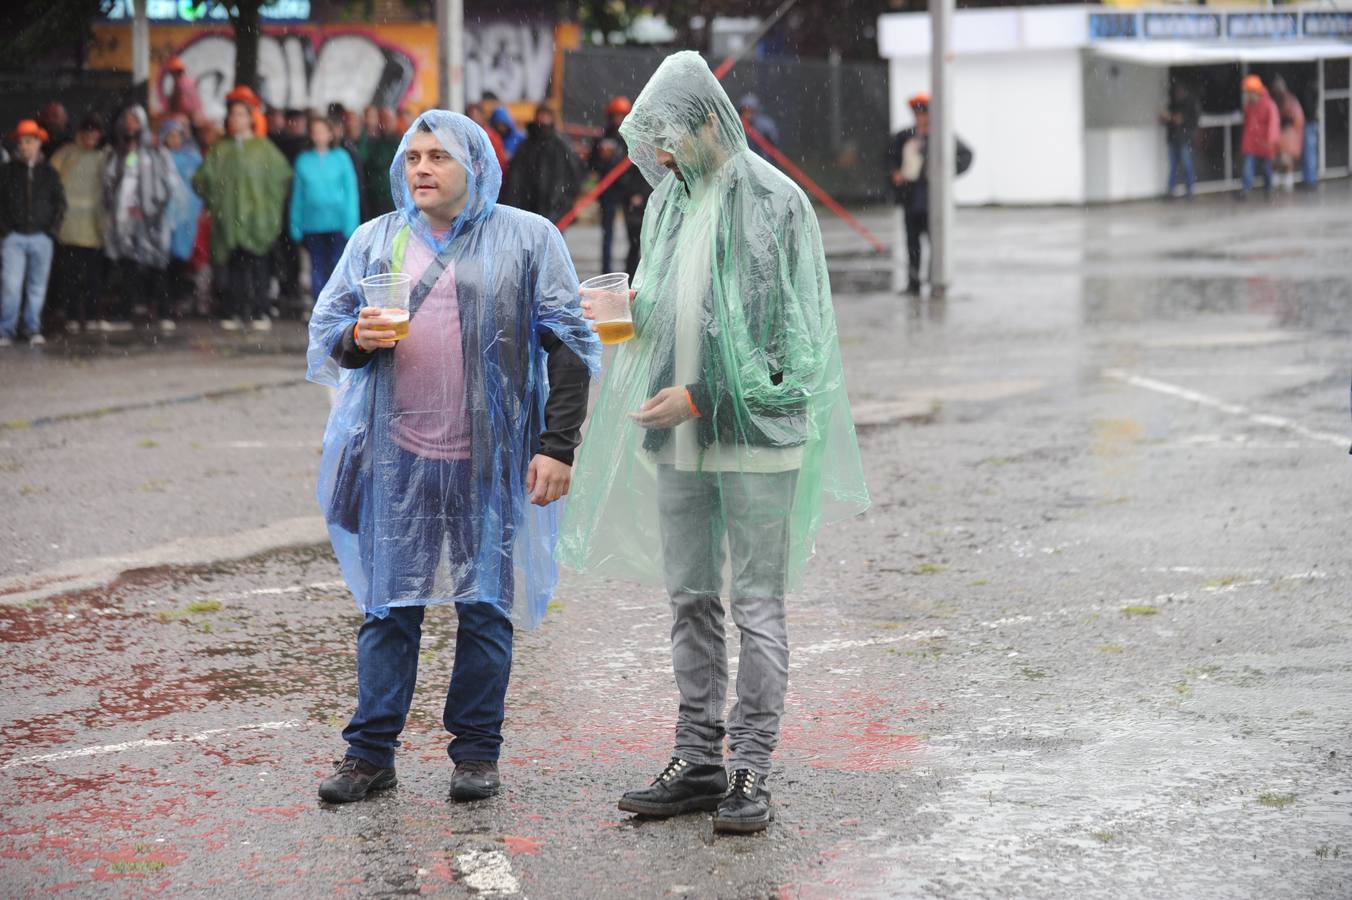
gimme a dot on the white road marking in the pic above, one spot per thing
(487, 872)
(147, 742)
(1234, 409)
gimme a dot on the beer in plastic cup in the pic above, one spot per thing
(609, 296)
(389, 291)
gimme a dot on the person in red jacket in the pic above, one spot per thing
(1261, 130)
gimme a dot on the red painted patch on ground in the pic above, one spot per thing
(518, 845)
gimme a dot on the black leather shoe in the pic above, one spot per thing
(746, 808)
(682, 787)
(474, 779)
(353, 779)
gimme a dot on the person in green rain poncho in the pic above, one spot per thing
(724, 422)
(243, 184)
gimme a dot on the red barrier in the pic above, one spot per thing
(813, 188)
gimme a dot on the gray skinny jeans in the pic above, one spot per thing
(697, 511)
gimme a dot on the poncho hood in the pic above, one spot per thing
(684, 111)
(470, 147)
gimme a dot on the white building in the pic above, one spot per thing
(1061, 104)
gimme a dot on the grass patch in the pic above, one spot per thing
(1103, 837)
(204, 606)
(1130, 611)
(1032, 673)
(980, 582)
(929, 569)
(1110, 648)
(1276, 801)
(1225, 582)
(554, 605)
(136, 866)
(147, 443)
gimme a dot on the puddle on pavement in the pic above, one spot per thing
(1324, 304)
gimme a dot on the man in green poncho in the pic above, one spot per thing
(243, 184)
(722, 430)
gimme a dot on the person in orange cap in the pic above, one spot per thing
(907, 161)
(32, 205)
(182, 99)
(629, 192)
(1261, 131)
(245, 94)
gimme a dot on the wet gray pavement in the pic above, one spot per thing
(1093, 639)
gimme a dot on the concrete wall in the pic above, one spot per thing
(1022, 115)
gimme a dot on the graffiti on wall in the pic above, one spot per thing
(355, 70)
(312, 69)
(513, 61)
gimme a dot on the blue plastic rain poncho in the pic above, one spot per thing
(187, 159)
(446, 519)
(734, 307)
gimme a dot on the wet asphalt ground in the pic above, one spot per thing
(1094, 638)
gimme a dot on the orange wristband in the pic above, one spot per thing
(354, 336)
(694, 410)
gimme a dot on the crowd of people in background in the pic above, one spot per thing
(1279, 136)
(125, 223)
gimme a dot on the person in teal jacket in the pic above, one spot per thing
(325, 205)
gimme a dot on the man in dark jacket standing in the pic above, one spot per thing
(32, 204)
(1180, 124)
(908, 163)
(545, 173)
(629, 192)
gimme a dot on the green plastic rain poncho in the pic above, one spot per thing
(734, 304)
(243, 183)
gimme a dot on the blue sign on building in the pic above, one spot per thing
(1328, 24)
(1181, 26)
(1262, 25)
(1106, 26)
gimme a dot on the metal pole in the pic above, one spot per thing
(451, 54)
(140, 43)
(942, 150)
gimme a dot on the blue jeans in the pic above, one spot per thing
(387, 669)
(1180, 157)
(1247, 180)
(1309, 154)
(27, 263)
(325, 250)
(427, 514)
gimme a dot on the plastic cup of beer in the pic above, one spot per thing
(609, 296)
(389, 291)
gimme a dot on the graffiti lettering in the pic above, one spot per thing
(358, 69)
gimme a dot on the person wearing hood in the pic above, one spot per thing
(1291, 139)
(722, 431)
(1259, 139)
(142, 196)
(243, 183)
(545, 173)
(325, 208)
(628, 193)
(32, 206)
(446, 448)
(79, 254)
(908, 165)
(476, 113)
(511, 136)
(176, 138)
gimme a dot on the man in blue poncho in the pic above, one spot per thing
(446, 448)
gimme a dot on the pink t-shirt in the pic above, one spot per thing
(429, 369)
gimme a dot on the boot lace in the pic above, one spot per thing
(743, 781)
(675, 769)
